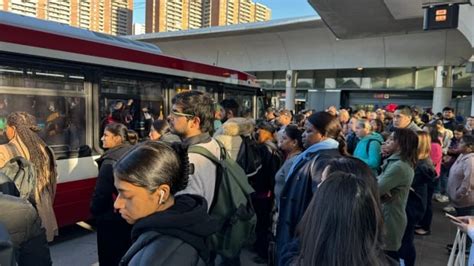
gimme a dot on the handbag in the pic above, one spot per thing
(459, 258)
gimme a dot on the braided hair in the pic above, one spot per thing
(26, 129)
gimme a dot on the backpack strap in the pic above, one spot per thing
(367, 147)
(219, 168)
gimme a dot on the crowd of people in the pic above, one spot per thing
(353, 180)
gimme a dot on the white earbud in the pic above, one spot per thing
(162, 194)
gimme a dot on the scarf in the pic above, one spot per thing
(308, 154)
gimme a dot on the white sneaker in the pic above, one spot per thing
(449, 209)
(441, 198)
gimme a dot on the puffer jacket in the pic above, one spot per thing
(24, 226)
(229, 134)
(176, 236)
(461, 181)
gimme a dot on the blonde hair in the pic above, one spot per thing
(424, 145)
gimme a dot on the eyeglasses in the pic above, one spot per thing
(177, 114)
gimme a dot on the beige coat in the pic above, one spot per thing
(229, 134)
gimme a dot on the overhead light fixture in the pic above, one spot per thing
(360, 68)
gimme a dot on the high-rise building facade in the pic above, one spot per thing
(138, 29)
(107, 16)
(173, 15)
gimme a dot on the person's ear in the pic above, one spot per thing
(162, 194)
(118, 139)
(196, 121)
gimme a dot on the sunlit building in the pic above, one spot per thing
(174, 15)
(107, 16)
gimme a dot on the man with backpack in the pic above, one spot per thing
(192, 118)
(213, 174)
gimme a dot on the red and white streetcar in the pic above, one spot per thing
(55, 71)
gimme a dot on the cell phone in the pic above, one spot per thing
(453, 218)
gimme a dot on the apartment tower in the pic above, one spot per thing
(106, 16)
(173, 15)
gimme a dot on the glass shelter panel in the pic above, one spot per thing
(401, 78)
(325, 79)
(425, 78)
(279, 79)
(348, 78)
(305, 79)
(374, 79)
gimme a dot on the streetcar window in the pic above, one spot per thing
(61, 120)
(132, 102)
(41, 79)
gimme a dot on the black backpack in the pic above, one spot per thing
(249, 157)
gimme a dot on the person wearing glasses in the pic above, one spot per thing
(192, 118)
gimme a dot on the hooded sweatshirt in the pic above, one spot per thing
(175, 236)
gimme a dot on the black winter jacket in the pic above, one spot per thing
(297, 194)
(24, 226)
(264, 181)
(175, 236)
(103, 200)
(424, 173)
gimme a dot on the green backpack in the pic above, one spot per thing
(231, 206)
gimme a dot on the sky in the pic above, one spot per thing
(280, 9)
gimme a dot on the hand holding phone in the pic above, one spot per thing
(455, 219)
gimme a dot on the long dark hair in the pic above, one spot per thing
(118, 129)
(329, 126)
(434, 133)
(355, 166)
(380, 125)
(468, 141)
(407, 141)
(153, 163)
(161, 126)
(343, 224)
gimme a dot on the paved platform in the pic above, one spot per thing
(431, 250)
(77, 246)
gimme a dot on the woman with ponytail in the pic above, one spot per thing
(113, 232)
(23, 140)
(323, 141)
(168, 229)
